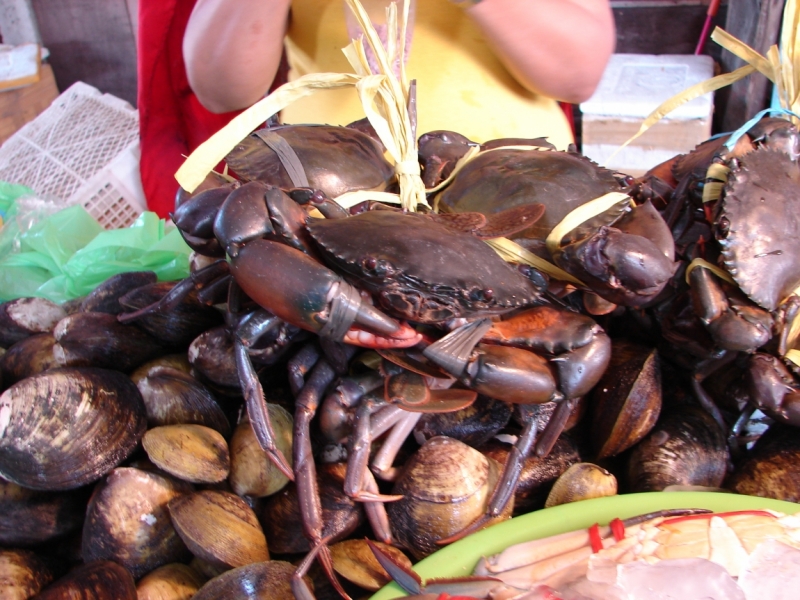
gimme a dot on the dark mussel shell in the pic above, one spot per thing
(172, 397)
(99, 340)
(626, 401)
(27, 357)
(771, 469)
(177, 326)
(29, 517)
(211, 354)
(474, 425)
(685, 448)
(127, 521)
(280, 514)
(96, 580)
(23, 317)
(68, 427)
(105, 297)
(538, 473)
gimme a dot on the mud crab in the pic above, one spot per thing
(278, 253)
(624, 255)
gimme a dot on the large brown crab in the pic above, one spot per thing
(624, 255)
(420, 268)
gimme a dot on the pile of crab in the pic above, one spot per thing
(539, 311)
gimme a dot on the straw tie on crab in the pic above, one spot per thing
(384, 97)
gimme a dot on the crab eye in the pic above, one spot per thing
(488, 294)
(370, 263)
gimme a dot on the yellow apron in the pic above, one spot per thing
(461, 86)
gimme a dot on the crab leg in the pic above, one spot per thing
(306, 404)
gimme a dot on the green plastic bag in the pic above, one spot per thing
(68, 254)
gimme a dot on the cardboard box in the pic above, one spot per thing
(632, 86)
(21, 105)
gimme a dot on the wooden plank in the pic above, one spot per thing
(756, 23)
(24, 104)
(90, 41)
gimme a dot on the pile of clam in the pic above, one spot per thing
(210, 438)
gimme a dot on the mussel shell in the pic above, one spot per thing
(23, 317)
(127, 521)
(474, 425)
(29, 356)
(686, 447)
(192, 453)
(29, 517)
(626, 401)
(172, 396)
(219, 527)
(269, 580)
(68, 427)
(281, 519)
(96, 580)
(252, 471)
(771, 469)
(105, 297)
(211, 353)
(99, 340)
(174, 581)
(445, 486)
(178, 326)
(22, 574)
(538, 473)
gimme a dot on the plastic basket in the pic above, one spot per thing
(83, 149)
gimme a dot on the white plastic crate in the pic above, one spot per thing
(83, 149)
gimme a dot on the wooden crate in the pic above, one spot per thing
(21, 105)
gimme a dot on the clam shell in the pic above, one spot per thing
(127, 521)
(22, 574)
(355, 561)
(582, 481)
(270, 580)
(174, 581)
(252, 472)
(445, 486)
(219, 527)
(98, 580)
(68, 427)
(193, 453)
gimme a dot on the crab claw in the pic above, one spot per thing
(299, 290)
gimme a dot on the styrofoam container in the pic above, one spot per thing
(632, 87)
(83, 149)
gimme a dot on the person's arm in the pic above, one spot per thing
(225, 39)
(558, 48)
